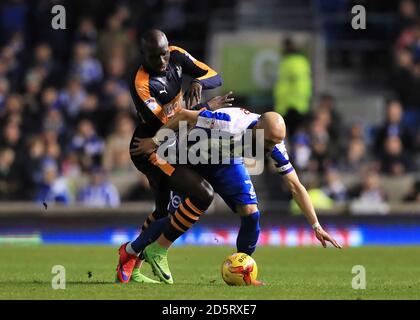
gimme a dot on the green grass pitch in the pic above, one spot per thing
(290, 273)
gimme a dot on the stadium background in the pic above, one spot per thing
(67, 116)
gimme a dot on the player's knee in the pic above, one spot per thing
(207, 193)
(247, 210)
(203, 196)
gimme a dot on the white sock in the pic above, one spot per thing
(130, 250)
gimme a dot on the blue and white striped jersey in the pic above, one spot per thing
(235, 121)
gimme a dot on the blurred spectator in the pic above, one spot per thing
(53, 188)
(121, 103)
(12, 137)
(9, 65)
(49, 99)
(71, 167)
(116, 158)
(54, 124)
(323, 116)
(116, 70)
(326, 109)
(85, 67)
(320, 157)
(99, 192)
(46, 66)
(115, 40)
(301, 150)
(357, 131)
(53, 152)
(407, 15)
(370, 190)
(140, 190)
(89, 109)
(401, 77)
(87, 144)
(294, 86)
(110, 89)
(413, 105)
(393, 160)
(87, 33)
(414, 193)
(393, 127)
(333, 187)
(32, 168)
(356, 156)
(9, 176)
(14, 109)
(72, 97)
(406, 77)
(4, 90)
(408, 36)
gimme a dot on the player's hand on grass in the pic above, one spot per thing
(323, 237)
(143, 146)
(193, 94)
(221, 101)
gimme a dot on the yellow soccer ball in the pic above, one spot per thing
(239, 269)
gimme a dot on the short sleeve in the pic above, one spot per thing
(280, 156)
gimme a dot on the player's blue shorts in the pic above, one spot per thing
(231, 181)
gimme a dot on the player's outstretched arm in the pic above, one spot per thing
(148, 145)
(301, 197)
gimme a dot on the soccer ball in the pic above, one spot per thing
(239, 269)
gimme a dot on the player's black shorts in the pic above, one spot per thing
(154, 170)
(155, 173)
(165, 177)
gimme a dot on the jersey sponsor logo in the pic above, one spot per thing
(151, 104)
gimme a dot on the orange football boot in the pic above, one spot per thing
(125, 265)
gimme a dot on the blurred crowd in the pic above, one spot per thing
(322, 144)
(66, 113)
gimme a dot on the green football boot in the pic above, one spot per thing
(138, 277)
(157, 257)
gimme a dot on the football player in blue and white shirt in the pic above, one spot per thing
(232, 180)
